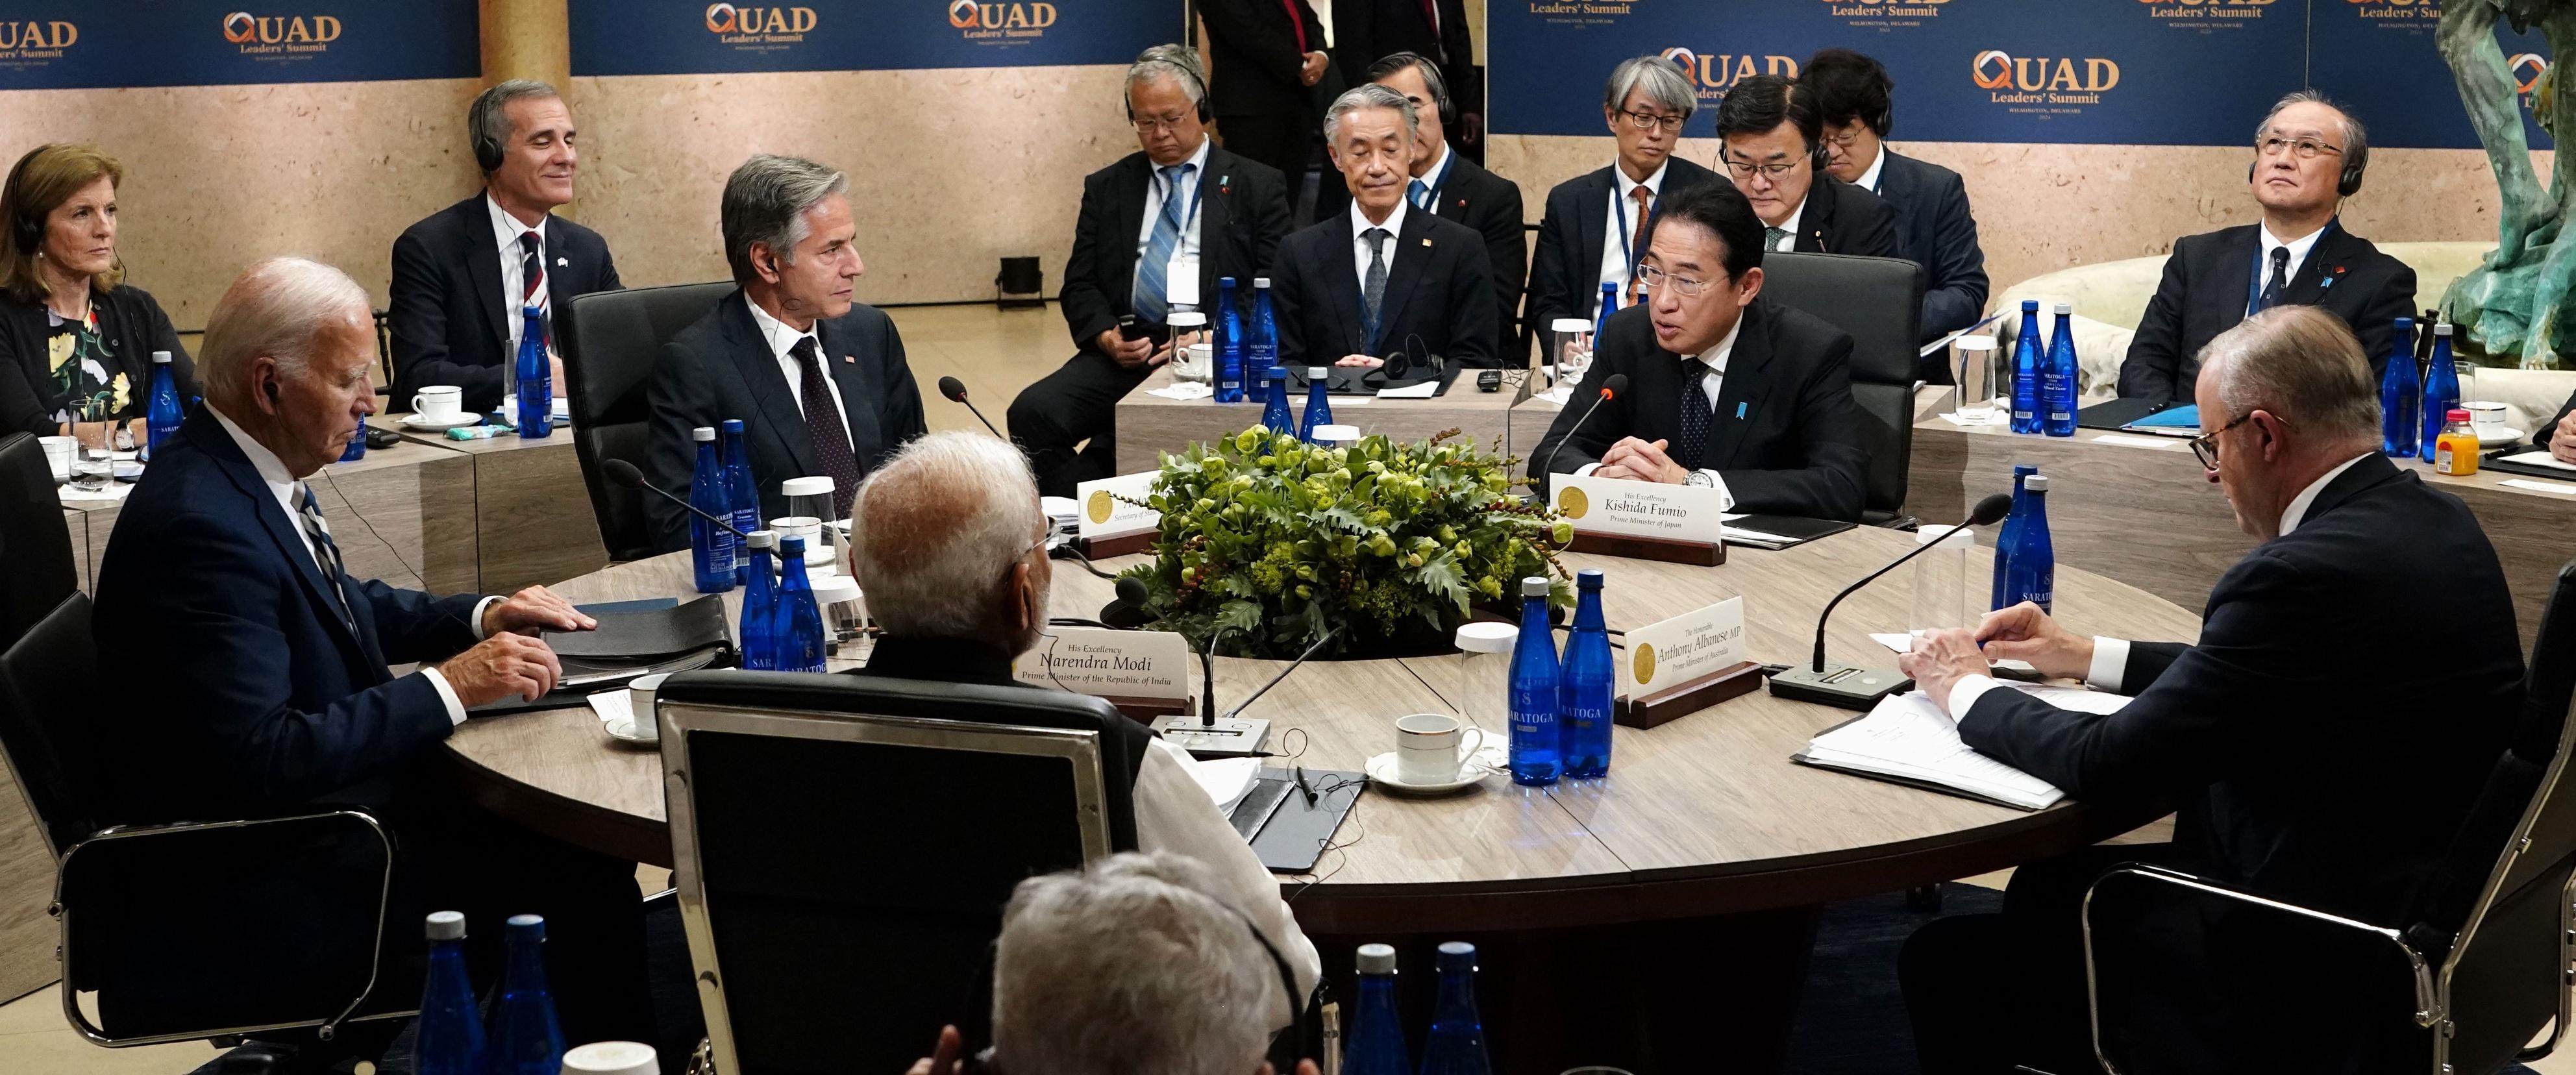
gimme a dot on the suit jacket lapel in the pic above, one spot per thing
(2235, 274)
(1216, 211)
(1124, 224)
(758, 367)
(561, 271)
(287, 534)
(2325, 260)
(1816, 219)
(859, 391)
(1404, 272)
(1741, 389)
(1339, 264)
(1591, 228)
(483, 266)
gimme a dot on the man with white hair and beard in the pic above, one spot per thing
(949, 543)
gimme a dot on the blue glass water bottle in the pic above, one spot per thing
(1601, 320)
(2027, 362)
(2441, 392)
(2032, 575)
(740, 490)
(1229, 343)
(1589, 683)
(2061, 378)
(1261, 349)
(800, 619)
(162, 415)
(2399, 387)
(447, 1039)
(759, 634)
(529, 1040)
(1373, 1043)
(1275, 415)
(1319, 403)
(1456, 1045)
(2010, 530)
(536, 377)
(1537, 744)
(711, 547)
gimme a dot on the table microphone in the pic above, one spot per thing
(1861, 688)
(955, 390)
(1615, 384)
(625, 474)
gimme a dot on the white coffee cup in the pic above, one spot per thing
(807, 527)
(1337, 436)
(439, 403)
(639, 697)
(1428, 747)
(2487, 417)
(611, 1058)
(59, 452)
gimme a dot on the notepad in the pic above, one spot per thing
(2536, 458)
(1908, 740)
(2185, 418)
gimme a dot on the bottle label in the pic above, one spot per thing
(2060, 416)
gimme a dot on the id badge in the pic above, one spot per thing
(1181, 282)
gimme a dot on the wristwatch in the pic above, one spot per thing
(1702, 479)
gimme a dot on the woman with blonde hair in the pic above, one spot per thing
(76, 342)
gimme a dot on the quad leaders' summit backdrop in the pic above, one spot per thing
(107, 44)
(676, 37)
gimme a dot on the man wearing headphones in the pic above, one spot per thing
(1446, 184)
(1934, 227)
(2308, 156)
(463, 276)
(1772, 144)
(1158, 229)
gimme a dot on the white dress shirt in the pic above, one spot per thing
(1614, 239)
(1360, 248)
(2298, 247)
(1869, 179)
(2111, 655)
(506, 230)
(1180, 288)
(290, 499)
(1173, 813)
(1713, 363)
(1789, 226)
(782, 341)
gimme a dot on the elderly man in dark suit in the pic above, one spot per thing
(278, 693)
(2309, 155)
(2304, 763)
(1158, 229)
(1934, 228)
(1382, 279)
(1269, 56)
(1773, 145)
(817, 378)
(1448, 185)
(464, 276)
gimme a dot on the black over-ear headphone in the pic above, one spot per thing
(1188, 66)
(26, 230)
(1432, 79)
(487, 153)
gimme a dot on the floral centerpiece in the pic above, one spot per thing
(1277, 542)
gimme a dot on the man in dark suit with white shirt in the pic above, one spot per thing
(1367, 33)
(1934, 227)
(1448, 185)
(2307, 761)
(1772, 144)
(1725, 388)
(1158, 229)
(818, 378)
(1594, 228)
(1382, 279)
(2309, 155)
(463, 276)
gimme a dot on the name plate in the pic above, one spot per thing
(1695, 644)
(1105, 515)
(1622, 508)
(1122, 666)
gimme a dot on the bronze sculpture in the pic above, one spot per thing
(2510, 305)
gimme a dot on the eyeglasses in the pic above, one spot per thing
(1647, 121)
(2206, 445)
(1748, 169)
(1842, 141)
(1682, 285)
(1150, 124)
(2305, 149)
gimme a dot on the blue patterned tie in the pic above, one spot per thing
(1153, 270)
(1420, 193)
(1698, 414)
(1373, 286)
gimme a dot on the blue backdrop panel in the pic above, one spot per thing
(678, 37)
(2379, 56)
(97, 44)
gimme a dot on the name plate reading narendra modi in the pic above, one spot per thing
(1685, 664)
(1137, 671)
(1644, 520)
(1111, 510)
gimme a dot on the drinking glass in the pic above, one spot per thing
(1972, 368)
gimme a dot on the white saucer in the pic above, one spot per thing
(2508, 437)
(1382, 773)
(622, 729)
(420, 424)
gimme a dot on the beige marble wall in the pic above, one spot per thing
(2041, 208)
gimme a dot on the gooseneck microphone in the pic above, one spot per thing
(1312, 650)
(1615, 384)
(955, 390)
(1861, 688)
(625, 475)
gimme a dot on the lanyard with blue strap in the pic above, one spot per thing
(1619, 205)
(2254, 287)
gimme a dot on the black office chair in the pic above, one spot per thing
(2486, 955)
(195, 930)
(1879, 301)
(610, 341)
(35, 544)
(844, 845)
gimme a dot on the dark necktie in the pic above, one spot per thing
(532, 277)
(823, 426)
(2272, 285)
(327, 553)
(1637, 247)
(1373, 287)
(1698, 413)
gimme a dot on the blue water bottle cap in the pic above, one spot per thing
(2405, 324)
(2030, 306)
(1456, 956)
(2025, 469)
(733, 425)
(1225, 281)
(528, 924)
(792, 546)
(1275, 373)
(1377, 959)
(1589, 578)
(1534, 586)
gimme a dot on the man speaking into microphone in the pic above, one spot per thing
(1728, 390)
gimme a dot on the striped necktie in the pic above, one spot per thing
(327, 554)
(532, 277)
(1151, 299)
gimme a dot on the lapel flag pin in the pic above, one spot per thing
(849, 359)
(560, 263)
(1426, 242)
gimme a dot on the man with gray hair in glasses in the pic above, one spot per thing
(2309, 155)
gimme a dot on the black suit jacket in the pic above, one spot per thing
(1797, 449)
(271, 700)
(1439, 293)
(1254, 65)
(132, 325)
(2307, 758)
(1934, 229)
(722, 368)
(1243, 213)
(2203, 293)
(450, 325)
(1840, 218)
(1490, 204)
(1565, 266)
(2541, 435)
(1366, 31)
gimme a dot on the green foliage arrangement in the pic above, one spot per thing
(1283, 541)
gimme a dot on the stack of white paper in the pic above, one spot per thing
(1908, 738)
(1227, 780)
